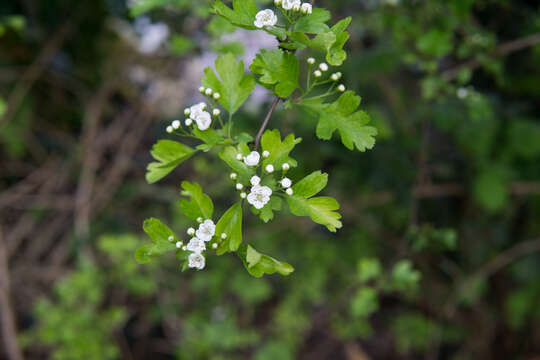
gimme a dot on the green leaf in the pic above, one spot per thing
(242, 14)
(342, 115)
(233, 84)
(330, 42)
(258, 264)
(200, 204)
(210, 137)
(311, 185)
(313, 23)
(169, 155)
(267, 212)
(228, 155)
(279, 150)
(365, 302)
(320, 209)
(159, 233)
(279, 71)
(230, 224)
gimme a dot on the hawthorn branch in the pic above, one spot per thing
(265, 122)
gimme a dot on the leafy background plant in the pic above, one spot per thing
(438, 254)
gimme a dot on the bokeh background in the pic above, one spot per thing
(439, 254)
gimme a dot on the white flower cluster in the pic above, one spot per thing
(197, 244)
(322, 68)
(259, 195)
(295, 5)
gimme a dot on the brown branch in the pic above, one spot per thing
(34, 71)
(501, 51)
(7, 319)
(265, 122)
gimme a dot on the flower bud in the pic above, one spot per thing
(317, 73)
(223, 236)
(184, 248)
(243, 195)
(199, 220)
(188, 122)
(296, 7)
(239, 157)
(286, 183)
(209, 91)
(269, 168)
(255, 180)
(341, 88)
(323, 66)
(239, 186)
(179, 244)
(214, 245)
(277, 2)
(265, 154)
(289, 191)
(202, 89)
(191, 231)
(311, 61)
(176, 124)
(216, 112)
(170, 129)
(334, 77)
(233, 176)
(285, 166)
(217, 96)
(187, 111)
(171, 238)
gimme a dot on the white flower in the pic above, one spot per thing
(196, 245)
(243, 195)
(289, 191)
(266, 153)
(187, 111)
(341, 88)
(286, 182)
(189, 122)
(206, 230)
(462, 93)
(191, 231)
(323, 66)
(217, 96)
(311, 61)
(176, 124)
(239, 157)
(239, 186)
(208, 91)
(196, 261)
(269, 168)
(179, 244)
(317, 73)
(204, 120)
(196, 110)
(265, 18)
(233, 176)
(285, 166)
(252, 159)
(255, 180)
(259, 196)
(307, 8)
(289, 4)
(170, 129)
(223, 236)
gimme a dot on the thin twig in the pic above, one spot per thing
(501, 51)
(265, 122)
(7, 319)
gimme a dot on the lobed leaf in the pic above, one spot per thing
(230, 224)
(258, 264)
(169, 155)
(199, 205)
(233, 84)
(242, 13)
(278, 70)
(159, 233)
(279, 150)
